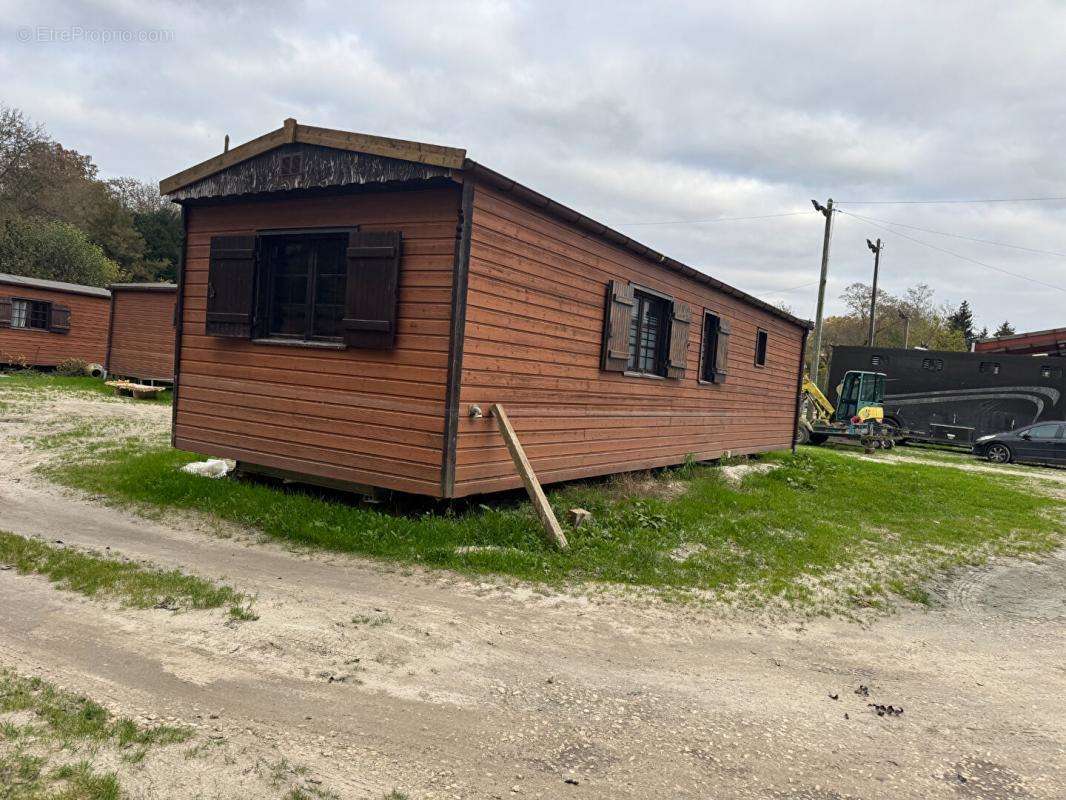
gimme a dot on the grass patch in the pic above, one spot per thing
(787, 534)
(33, 381)
(33, 763)
(132, 584)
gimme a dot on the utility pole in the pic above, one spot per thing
(827, 212)
(876, 248)
(906, 329)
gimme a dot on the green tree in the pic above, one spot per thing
(1006, 329)
(54, 250)
(962, 320)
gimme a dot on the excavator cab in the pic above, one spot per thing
(862, 395)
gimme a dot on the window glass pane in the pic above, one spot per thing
(331, 274)
(38, 315)
(19, 313)
(868, 389)
(710, 347)
(760, 348)
(650, 331)
(290, 267)
(1043, 431)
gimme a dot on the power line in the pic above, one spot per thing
(786, 291)
(937, 202)
(953, 253)
(964, 238)
(716, 219)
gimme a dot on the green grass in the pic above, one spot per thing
(33, 381)
(819, 513)
(132, 584)
(66, 722)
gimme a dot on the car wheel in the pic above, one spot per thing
(999, 454)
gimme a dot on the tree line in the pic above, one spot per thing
(59, 220)
(912, 319)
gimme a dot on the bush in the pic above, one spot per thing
(54, 250)
(72, 367)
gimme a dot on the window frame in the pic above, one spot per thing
(264, 286)
(641, 294)
(762, 342)
(30, 303)
(702, 379)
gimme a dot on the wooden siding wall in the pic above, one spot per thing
(534, 322)
(363, 416)
(142, 335)
(86, 339)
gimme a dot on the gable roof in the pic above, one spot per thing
(449, 158)
(55, 286)
(292, 133)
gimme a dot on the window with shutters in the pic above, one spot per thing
(761, 339)
(30, 314)
(714, 349)
(649, 332)
(304, 278)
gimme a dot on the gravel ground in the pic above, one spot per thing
(378, 678)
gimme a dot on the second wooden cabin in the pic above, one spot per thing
(140, 340)
(350, 306)
(44, 323)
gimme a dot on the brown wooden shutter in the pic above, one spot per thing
(230, 286)
(372, 289)
(721, 358)
(679, 328)
(620, 304)
(59, 319)
(5, 312)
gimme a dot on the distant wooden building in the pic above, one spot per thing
(350, 306)
(1051, 342)
(43, 323)
(140, 342)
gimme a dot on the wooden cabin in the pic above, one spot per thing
(140, 341)
(350, 306)
(44, 323)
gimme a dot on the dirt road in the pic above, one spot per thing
(378, 678)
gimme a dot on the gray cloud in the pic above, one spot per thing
(629, 112)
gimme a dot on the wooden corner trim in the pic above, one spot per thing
(457, 332)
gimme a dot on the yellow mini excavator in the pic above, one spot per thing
(859, 414)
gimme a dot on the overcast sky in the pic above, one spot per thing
(632, 113)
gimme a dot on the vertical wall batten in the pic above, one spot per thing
(460, 285)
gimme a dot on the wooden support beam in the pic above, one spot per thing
(552, 530)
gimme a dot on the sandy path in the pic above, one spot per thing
(479, 690)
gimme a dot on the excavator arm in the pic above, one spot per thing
(819, 400)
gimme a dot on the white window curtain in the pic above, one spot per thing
(20, 313)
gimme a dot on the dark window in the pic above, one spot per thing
(1043, 432)
(30, 314)
(709, 351)
(291, 165)
(991, 367)
(649, 331)
(1048, 371)
(760, 348)
(934, 364)
(305, 281)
